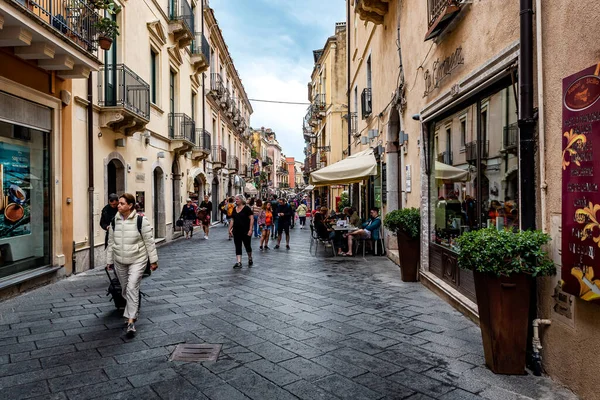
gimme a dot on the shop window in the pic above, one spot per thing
(25, 209)
(140, 202)
(479, 189)
(153, 75)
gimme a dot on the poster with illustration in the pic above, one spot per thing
(15, 182)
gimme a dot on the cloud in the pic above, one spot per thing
(271, 43)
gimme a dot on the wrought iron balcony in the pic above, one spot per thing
(124, 98)
(267, 161)
(219, 157)
(217, 88)
(244, 170)
(511, 137)
(282, 171)
(441, 13)
(225, 100)
(319, 105)
(445, 157)
(471, 151)
(72, 20)
(181, 16)
(182, 132)
(200, 50)
(202, 149)
(234, 164)
(366, 103)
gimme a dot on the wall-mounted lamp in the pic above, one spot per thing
(160, 154)
(416, 117)
(120, 143)
(141, 159)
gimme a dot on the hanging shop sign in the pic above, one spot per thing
(440, 70)
(580, 274)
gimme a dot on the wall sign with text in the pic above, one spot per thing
(581, 197)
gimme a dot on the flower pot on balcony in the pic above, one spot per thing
(105, 42)
(503, 304)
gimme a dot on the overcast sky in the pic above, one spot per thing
(271, 43)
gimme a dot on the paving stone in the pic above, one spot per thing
(26, 391)
(177, 389)
(145, 393)
(65, 359)
(339, 366)
(459, 394)
(386, 387)
(271, 352)
(152, 377)
(272, 372)
(124, 348)
(33, 376)
(374, 339)
(370, 363)
(254, 385)
(51, 396)
(81, 379)
(345, 388)
(136, 367)
(305, 369)
(224, 392)
(308, 391)
(421, 383)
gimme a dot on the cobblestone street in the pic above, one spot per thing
(293, 326)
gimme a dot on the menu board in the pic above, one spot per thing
(15, 181)
(581, 197)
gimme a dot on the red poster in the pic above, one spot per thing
(580, 189)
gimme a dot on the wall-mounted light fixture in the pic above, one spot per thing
(141, 159)
(120, 143)
(160, 154)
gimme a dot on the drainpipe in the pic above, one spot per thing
(527, 121)
(541, 122)
(90, 128)
(348, 91)
(537, 345)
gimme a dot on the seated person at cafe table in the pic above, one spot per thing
(323, 230)
(370, 230)
(352, 216)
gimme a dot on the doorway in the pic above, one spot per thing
(215, 199)
(158, 197)
(176, 194)
(115, 172)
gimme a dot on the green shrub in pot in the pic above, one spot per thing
(504, 253)
(406, 221)
(406, 225)
(504, 264)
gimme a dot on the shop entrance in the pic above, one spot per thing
(159, 203)
(215, 198)
(115, 171)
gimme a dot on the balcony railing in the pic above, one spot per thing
(267, 161)
(314, 160)
(511, 136)
(366, 103)
(182, 127)
(471, 151)
(445, 157)
(200, 46)
(234, 163)
(216, 83)
(73, 19)
(203, 140)
(319, 104)
(441, 13)
(219, 155)
(354, 123)
(119, 86)
(180, 10)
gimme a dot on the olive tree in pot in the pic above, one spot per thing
(504, 264)
(406, 225)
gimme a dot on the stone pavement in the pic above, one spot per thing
(293, 326)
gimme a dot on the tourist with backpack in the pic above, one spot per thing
(130, 248)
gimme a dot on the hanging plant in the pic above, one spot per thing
(106, 27)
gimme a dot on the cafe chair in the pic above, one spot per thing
(314, 238)
(376, 244)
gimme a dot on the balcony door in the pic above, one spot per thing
(110, 77)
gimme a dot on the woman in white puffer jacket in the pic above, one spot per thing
(129, 250)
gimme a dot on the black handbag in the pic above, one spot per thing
(179, 222)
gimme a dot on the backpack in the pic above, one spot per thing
(140, 219)
(230, 208)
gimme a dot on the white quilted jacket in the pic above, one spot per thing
(126, 245)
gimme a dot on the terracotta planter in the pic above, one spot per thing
(503, 304)
(105, 42)
(410, 251)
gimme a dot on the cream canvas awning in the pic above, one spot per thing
(353, 169)
(447, 172)
(250, 189)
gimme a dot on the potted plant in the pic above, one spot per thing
(406, 225)
(503, 264)
(106, 27)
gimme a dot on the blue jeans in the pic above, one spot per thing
(256, 230)
(274, 227)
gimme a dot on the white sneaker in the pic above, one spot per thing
(205, 237)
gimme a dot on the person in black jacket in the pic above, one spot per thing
(188, 215)
(208, 207)
(108, 214)
(285, 213)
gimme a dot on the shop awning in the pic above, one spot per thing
(447, 172)
(353, 169)
(250, 189)
(308, 188)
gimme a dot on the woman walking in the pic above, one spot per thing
(188, 215)
(256, 209)
(130, 247)
(265, 221)
(302, 210)
(240, 227)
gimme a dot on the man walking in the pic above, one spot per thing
(208, 206)
(275, 226)
(285, 213)
(108, 214)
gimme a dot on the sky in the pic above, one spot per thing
(271, 43)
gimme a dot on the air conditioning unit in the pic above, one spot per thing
(364, 140)
(373, 133)
(403, 138)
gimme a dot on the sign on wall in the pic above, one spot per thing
(15, 182)
(408, 184)
(581, 197)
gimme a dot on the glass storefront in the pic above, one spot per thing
(25, 217)
(474, 177)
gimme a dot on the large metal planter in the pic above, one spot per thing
(409, 251)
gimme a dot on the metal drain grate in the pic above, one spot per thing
(196, 352)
